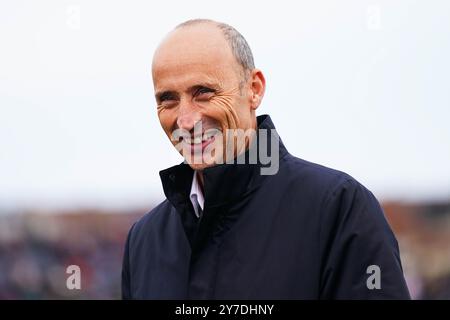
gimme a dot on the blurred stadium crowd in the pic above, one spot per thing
(36, 247)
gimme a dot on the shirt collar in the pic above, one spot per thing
(196, 195)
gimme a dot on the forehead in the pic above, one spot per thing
(192, 52)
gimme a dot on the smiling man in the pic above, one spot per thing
(230, 229)
(197, 82)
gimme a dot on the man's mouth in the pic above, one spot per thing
(199, 143)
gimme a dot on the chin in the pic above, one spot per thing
(201, 166)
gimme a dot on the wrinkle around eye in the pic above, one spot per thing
(223, 99)
(205, 96)
(166, 105)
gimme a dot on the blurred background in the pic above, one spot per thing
(361, 86)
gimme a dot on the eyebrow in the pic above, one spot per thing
(204, 85)
(163, 94)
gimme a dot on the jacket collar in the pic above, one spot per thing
(223, 183)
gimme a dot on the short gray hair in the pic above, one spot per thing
(239, 46)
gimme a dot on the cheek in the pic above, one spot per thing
(223, 110)
(168, 119)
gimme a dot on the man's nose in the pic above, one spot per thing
(188, 116)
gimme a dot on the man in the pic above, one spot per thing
(230, 230)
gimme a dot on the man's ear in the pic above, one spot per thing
(258, 87)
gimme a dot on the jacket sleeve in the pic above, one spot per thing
(360, 255)
(126, 280)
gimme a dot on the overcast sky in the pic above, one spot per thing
(361, 86)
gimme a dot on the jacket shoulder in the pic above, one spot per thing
(151, 220)
(313, 177)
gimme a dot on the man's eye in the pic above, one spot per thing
(166, 97)
(203, 92)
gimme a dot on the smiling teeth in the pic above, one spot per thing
(198, 140)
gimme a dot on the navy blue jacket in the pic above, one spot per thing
(307, 232)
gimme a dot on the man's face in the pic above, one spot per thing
(198, 82)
